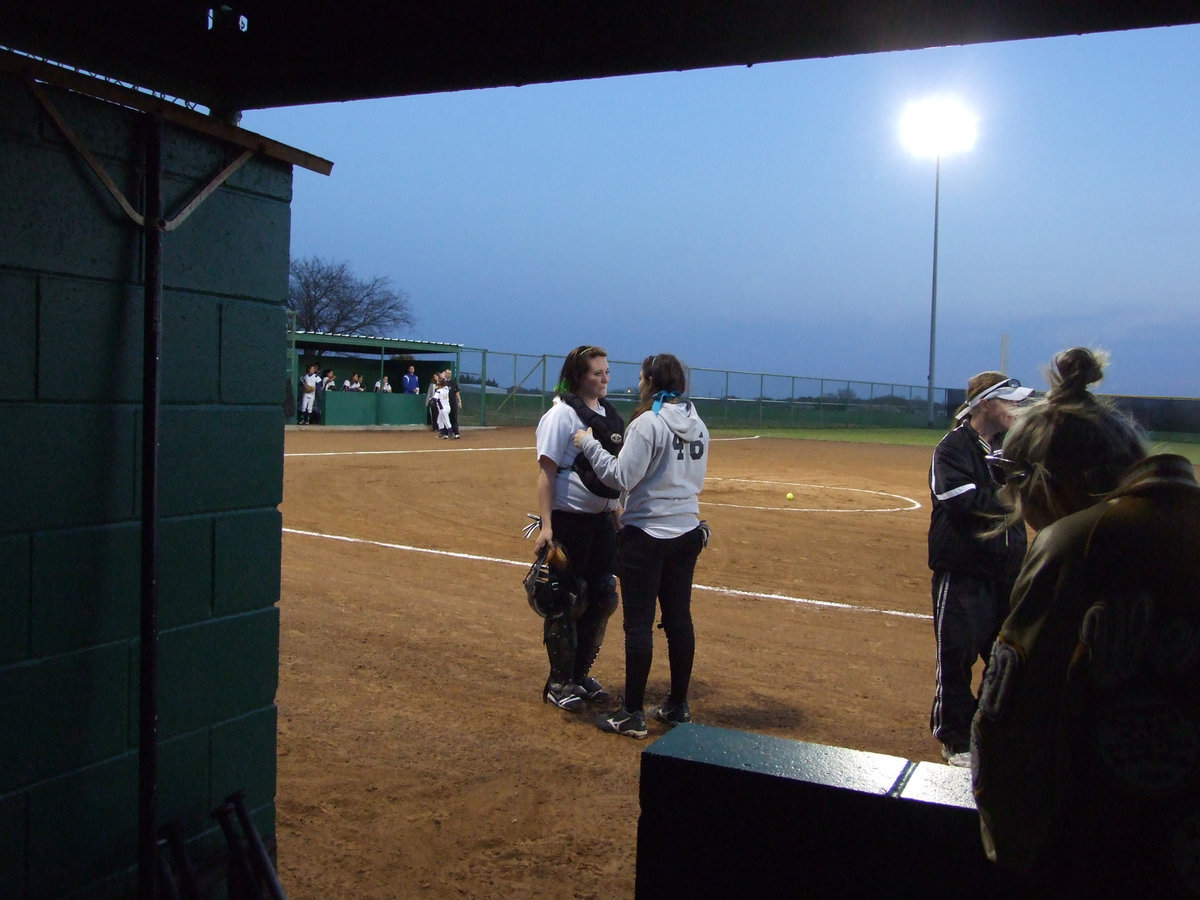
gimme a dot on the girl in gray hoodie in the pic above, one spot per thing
(660, 473)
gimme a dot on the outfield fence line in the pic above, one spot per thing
(516, 389)
(501, 388)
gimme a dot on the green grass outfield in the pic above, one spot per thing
(909, 437)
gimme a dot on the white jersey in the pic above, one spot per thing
(442, 396)
(660, 471)
(556, 441)
(308, 398)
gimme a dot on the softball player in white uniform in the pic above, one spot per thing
(582, 521)
(308, 394)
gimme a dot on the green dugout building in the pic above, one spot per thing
(373, 358)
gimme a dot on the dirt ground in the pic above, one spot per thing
(415, 756)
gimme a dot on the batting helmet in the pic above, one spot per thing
(547, 587)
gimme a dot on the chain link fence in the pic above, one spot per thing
(515, 389)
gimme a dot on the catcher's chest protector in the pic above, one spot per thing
(608, 429)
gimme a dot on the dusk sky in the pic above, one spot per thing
(769, 218)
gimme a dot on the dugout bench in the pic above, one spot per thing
(732, 814)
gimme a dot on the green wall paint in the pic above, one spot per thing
(70, 531)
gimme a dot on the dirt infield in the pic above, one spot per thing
(415, 757)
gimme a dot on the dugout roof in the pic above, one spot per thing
(341, 343)
(246, 54)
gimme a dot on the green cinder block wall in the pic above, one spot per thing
(70, 415)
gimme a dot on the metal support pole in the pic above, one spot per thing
(937, 191)
(483, 389)
(152, 241)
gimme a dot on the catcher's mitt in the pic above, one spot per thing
(546, 582)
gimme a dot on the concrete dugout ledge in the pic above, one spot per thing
(732, 814)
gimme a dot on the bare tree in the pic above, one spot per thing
(327, 297)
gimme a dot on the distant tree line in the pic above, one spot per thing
(328, 298)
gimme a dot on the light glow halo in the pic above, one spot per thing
(936, 126)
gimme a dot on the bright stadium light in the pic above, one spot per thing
(936, 126)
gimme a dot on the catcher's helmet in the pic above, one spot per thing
(547, 588)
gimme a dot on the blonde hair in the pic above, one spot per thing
(1072, 446)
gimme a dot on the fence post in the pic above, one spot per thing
(483, 388)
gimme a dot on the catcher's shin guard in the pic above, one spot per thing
(562, 641)
(601, 604)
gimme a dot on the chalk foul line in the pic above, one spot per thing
(733, 592)
(441, 449)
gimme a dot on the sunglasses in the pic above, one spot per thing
(1008, 471)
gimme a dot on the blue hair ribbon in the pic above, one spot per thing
(660, 398)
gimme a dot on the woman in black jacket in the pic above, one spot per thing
(972, 575)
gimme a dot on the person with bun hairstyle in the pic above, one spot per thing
(1086, 746)
(972, 575)
(580, 514)
(660, 473)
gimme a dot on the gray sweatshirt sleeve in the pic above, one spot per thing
(622, 472)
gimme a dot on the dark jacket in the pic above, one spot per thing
(1086, 766)
(965, 504)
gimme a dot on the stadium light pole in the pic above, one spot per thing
(936, 126)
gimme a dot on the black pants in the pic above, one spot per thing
(657, 568)
(967, 614)
(590, 540)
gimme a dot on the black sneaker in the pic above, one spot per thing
(672, 713)
(630, 724)
(592, 691)
(564, 696)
